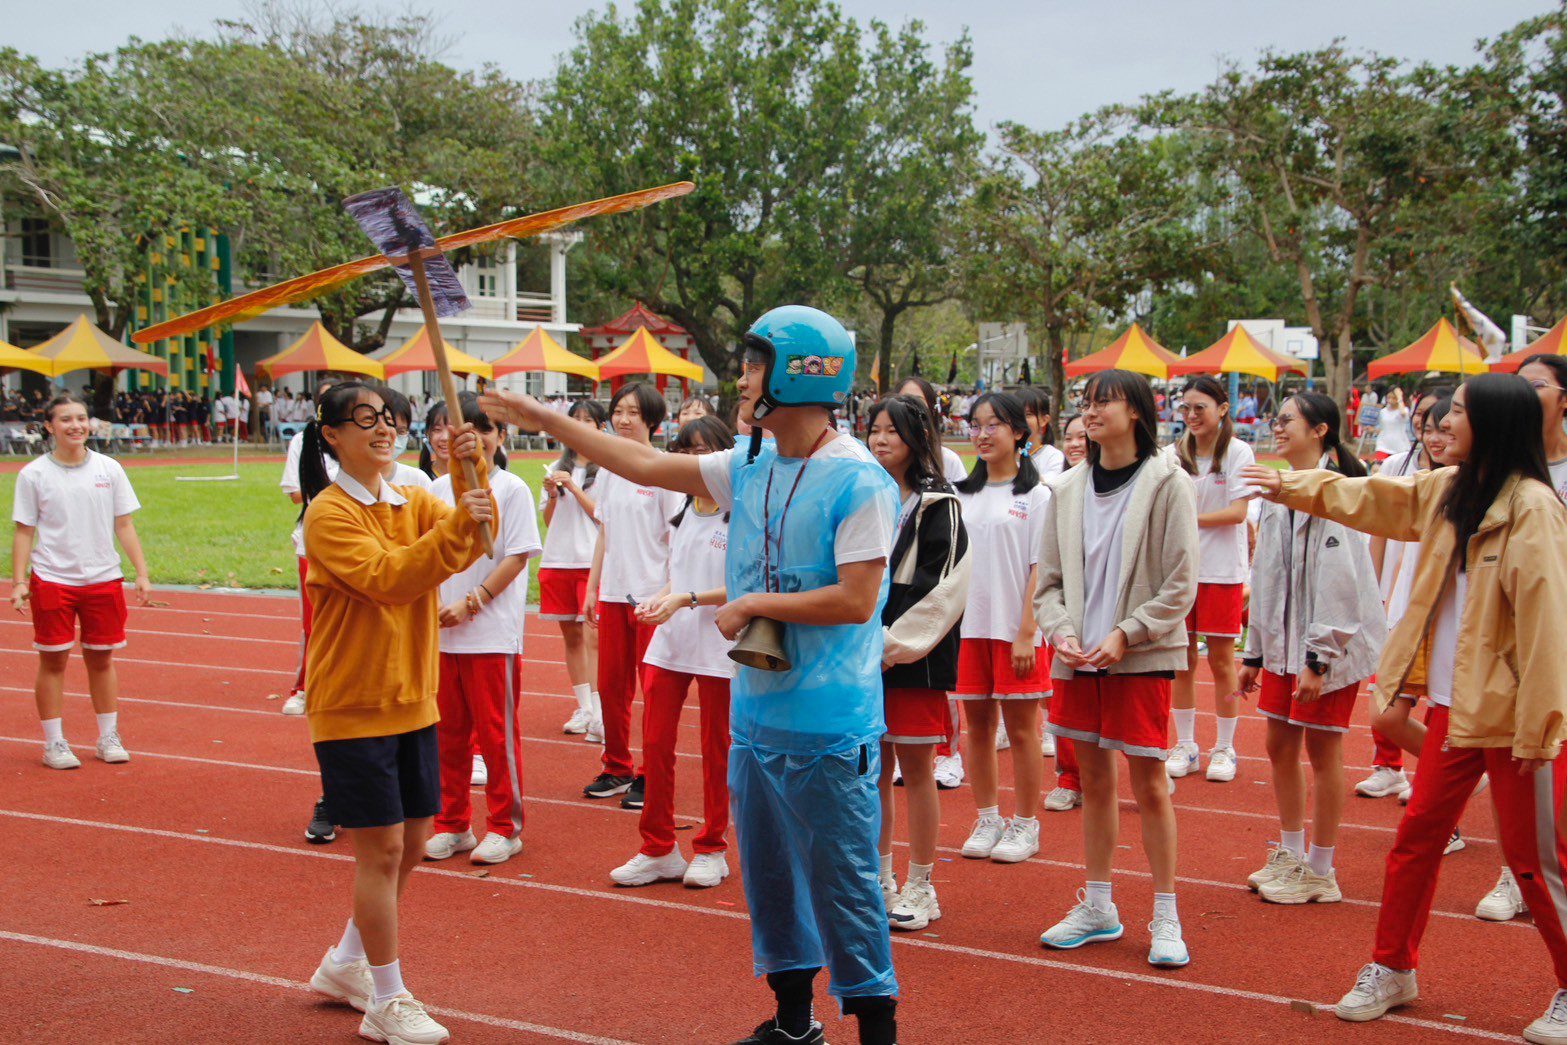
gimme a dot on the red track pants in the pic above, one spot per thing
(1528, 811)
(1386, 753)
(622, 643)
(304, 620)
(663, 695)
(478, 695)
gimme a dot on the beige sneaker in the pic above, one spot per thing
(110, 750)
(1280, 863)
(58, 755)
(401, 1020)
(1302, 885)
(348, 982)
(447, 844)
(496, 849)
(1377, 989)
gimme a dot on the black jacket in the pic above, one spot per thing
(930, 576)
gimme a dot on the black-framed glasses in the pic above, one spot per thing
(365, 416)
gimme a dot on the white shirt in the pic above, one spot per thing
(1104, 530)
(862, 537)
(220, 409)
(1221, 550)
(952, 466)
(1048, 461)
(289, 484)
(1442, 650)
(498, 626)
(1003, 539)
(264, 398)
(690, 641)
(73, 510)
(1394, 553)
(408, 475)
(568, 544)
(1393, 431)
(1558, 471)
(636, 537)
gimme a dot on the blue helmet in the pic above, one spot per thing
(808, 355)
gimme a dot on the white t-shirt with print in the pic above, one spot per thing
(636, 537)
(952, 466)
(1221, 550)
(690, 641)
(73, 509)
(569, 541)
(1003, 539)
(498, 626)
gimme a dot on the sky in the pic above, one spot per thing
(1038, 62)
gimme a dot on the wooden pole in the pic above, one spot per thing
(432, 329)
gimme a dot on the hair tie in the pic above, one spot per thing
(1024, 449)
(318, 413)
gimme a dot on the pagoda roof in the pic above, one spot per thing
(638, 316)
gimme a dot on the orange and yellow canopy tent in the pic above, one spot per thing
(1553, 341)
(1238, 353)
(641, 354)
(13, 358)
(1133, 350)
(82, 346)
(318, 350)
(417, 354)
(1439, 348)
(540, 352)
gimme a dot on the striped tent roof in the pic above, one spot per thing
(1553, 341)
(418, 354)
(540, 352)
(1439, 349)
(1239, 353)
(318, 350)
(82, 346)
(13, 358)
(641, 354)
(1133, 350)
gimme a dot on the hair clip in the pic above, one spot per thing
(318, 413)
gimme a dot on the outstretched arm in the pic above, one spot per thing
(641, 464)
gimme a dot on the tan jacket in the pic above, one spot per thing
(1510, 671)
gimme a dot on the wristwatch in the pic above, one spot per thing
(1316, 666)
(693, 600)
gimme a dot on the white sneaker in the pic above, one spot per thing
(578, 722)
(706, 870)
(496, 849)
(1377, 989)
(1002, 740)
(1550, 1029)
(1047, 744)
(1183, 759)
(1019, 842)
(595, 733)
(889, 891)
(1082, 925)
(1280, 863)
(1504, 902)
(1221, 765)
(1403, 796)
(110, 749)
(983, 838)
(949, 771)
(58, 755)
(645, 870)
(916, 907)
(294, 705)
(1455, 844)
(1384, 782)
(446, 844)
(347, 982)
(897, 772)
(1063, 799)
(401, 1020)
(1302, 885)
(481, 774)
(1167, 950)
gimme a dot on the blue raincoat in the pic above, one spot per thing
(806, 742)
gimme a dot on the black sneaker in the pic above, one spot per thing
(769, 1034)
(607, 785)
(320, 830)
(635, 797)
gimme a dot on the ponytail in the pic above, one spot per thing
(1318, 409)
(1186, 448)
(334, 406)
(595, 416)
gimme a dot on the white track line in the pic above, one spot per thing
(294, 985)
(292, 644)
(970, 952)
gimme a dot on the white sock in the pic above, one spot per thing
(54, 729)
(108, 723)
(1164, 907)
(1185, 725)
(388, 981)
(1025, 819)
(598, 706)
(919, 872)
(1321, 858)
(989, 811)
(1098, 894)
(1295, 842)
(886, 866)
(1226, 732)
(350, 948)
(584, 695)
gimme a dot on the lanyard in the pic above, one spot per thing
(768, 581)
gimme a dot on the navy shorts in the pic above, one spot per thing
(380, 781)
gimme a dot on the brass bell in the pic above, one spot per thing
(760, 646)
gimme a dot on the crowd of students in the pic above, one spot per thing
(1051, 602)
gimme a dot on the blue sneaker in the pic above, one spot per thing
(1083, 924)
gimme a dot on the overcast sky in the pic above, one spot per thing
(1041, 62)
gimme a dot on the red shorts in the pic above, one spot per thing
(562, 593)
(1128, 713)
(57, 608)
(917, 716)
(985, 670)
(1331, 711)
(1217, 612)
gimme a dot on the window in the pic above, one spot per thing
(37, 243)
(487, 279)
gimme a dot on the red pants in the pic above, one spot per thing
(1066, 766)
(304, 620)
(622, 644)
(663, 695)
(1386, 752)
(1528, 812)
(478, 695)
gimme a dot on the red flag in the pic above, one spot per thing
(240, 384)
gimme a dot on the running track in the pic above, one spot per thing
(229, 908)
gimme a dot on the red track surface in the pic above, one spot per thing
(203, 834)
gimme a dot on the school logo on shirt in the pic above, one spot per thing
(1019, 509)
(643, 491)
(102, 482)
(1331, 542)
(719, 541)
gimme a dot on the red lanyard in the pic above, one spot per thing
(768, 581)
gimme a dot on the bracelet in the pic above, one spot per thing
(488, 594)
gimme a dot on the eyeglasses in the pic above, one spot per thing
(1537, 384)
(988, 431)
(1194, 408)
(365, 416)
(1281, 421)
(1083, 405)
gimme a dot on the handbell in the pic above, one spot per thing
(760, 646)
